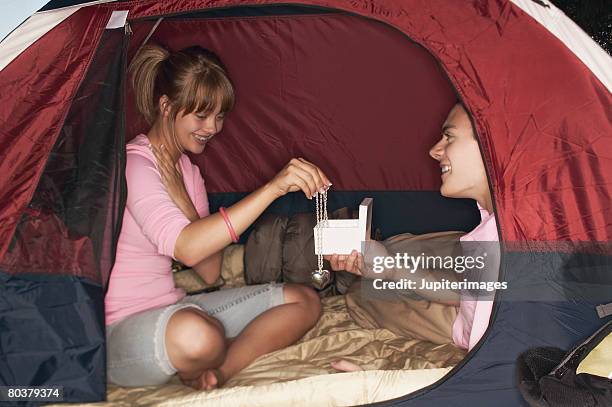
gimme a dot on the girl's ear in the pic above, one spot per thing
(164, 106)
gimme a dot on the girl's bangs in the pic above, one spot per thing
(208, 93)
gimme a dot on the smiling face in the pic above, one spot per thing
(461, 165)
(186, 132)
(194, 130)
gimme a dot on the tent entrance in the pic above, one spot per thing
(333, 88)
(351, 94)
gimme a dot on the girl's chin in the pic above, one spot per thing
(196, 148)
(448, 192)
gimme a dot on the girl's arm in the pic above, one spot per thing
(204, 237)
(208, 269)
(208, 235)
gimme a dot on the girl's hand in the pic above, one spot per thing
(352, 263)
(300, 174)
(173, 181)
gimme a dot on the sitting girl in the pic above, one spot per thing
(153, 329)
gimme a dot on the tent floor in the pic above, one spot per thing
(301, 374)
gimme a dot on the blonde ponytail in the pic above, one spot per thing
(145, 68)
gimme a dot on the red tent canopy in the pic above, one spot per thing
(546, 146)
(542, 117)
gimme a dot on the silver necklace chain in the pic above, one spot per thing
(320, 277)
(321, 208)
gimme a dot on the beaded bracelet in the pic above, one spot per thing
(230, 228)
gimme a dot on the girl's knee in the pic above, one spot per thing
(192, 335)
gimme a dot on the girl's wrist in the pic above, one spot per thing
(270, 192)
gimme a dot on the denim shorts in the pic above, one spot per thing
(135, 346)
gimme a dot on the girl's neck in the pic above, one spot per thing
(486, 202)
(158, 137)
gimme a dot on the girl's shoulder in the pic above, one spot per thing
(140, 142)
(139, 146)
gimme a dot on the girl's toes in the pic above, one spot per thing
(213, 379)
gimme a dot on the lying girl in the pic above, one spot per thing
(463, 176)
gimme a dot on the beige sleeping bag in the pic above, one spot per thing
(301, 375)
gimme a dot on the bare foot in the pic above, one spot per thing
(210, 379)
(345, 366)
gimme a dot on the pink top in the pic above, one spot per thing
(141, 278)
(473, 317)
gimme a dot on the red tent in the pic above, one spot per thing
(360, 88)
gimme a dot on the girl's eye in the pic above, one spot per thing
(220, 117)
(448, 137)
(200, 116)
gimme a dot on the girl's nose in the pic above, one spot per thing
(210, 125)
(437, 150)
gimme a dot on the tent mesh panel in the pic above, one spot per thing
(72, 222)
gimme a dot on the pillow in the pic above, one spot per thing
(232, 273)
(264, 249)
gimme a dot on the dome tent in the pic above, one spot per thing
(541, 115)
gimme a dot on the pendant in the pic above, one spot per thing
(320, 279)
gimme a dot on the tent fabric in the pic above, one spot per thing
(73, 218)
(550, 16)
(61, 59)
(308, 101)
(572, 36)
(291, 111)
(542, 117)
(62, 4)
(52, 277)
(52, 333)
(45, 79)
(15, 13)
(477, 47)
(555, 64)
(30, 30)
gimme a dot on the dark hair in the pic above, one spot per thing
(460, 103)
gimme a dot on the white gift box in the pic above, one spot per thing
(342, 236)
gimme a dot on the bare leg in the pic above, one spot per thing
(274, 329)
(195, 342)
(207, 379)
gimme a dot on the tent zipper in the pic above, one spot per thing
(120, 181)
(574, 355)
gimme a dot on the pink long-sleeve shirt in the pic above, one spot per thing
(473, 317)
(141, 278)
